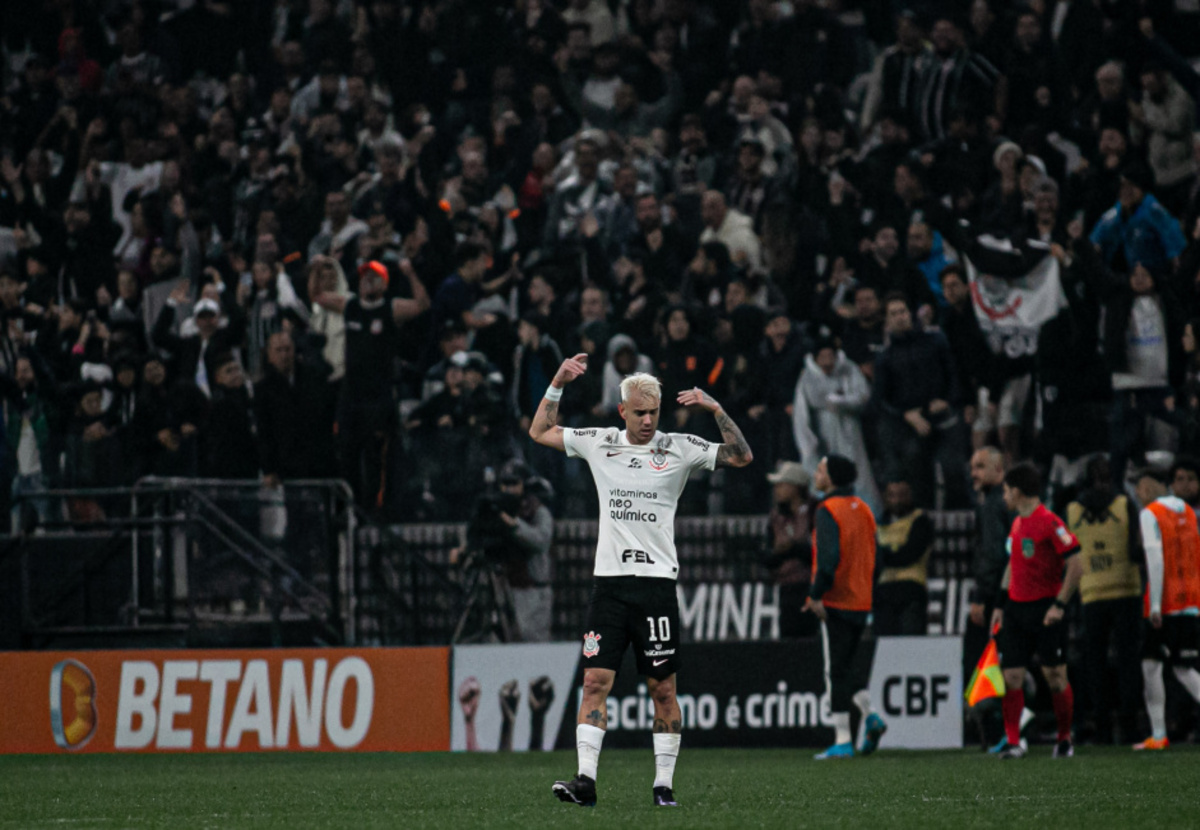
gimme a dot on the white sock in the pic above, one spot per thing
(666, 753)
(1156, 697)
(1190, 678)
(862, 699)
(841, 726)
(588, 739)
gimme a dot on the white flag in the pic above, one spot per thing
(1012, 310)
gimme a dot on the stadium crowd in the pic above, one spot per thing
(310, 238)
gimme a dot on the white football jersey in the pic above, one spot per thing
(638, 486)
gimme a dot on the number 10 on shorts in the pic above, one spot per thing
(660, 631)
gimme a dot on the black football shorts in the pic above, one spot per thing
(633, 610)
(1023, 635)
(1177, 643)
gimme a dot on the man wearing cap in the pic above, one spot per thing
(1137, 229)
(194, 353)
(365, 411)
(843, 571)
(790, 553)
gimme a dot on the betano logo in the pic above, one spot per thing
(72, 704)
(150, 700)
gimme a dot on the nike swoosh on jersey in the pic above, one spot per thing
(657, 662)
(611, 454)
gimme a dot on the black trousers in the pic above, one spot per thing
(1113, 624)
(846, 652)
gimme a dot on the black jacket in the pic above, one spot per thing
(185, 351)
(913, 369)
(295, 424)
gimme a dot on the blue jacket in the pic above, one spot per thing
(1150, 236)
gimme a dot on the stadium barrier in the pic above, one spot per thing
(745, 694)
(336, 700)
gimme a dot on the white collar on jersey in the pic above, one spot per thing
(618, 440)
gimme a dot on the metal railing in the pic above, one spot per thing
(183, 561)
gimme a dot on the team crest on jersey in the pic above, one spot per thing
(658, 461)
(591, 644)
(1027, 548)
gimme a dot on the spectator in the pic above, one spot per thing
(193, 353)
(1137, 229)
(916, 391)
(229, 447)
(292, 447)
(789, 556)
(826, 414)
(30, 417)
(1169, 115)
(1143, 343)
(730, 227)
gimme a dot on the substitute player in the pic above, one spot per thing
(840, 597)
(1034, 593)
(1172, 602)
(639, 474)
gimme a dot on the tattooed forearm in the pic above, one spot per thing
(597, 718)
(735, 452)
(551, 410)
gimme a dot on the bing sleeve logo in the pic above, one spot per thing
(591, 644)
(72, 704)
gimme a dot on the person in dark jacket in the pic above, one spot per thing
(904, 542)
(230, 448)
(295, 417)
(916, 394)
(192, 354)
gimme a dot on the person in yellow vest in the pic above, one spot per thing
(904, 541)
(1171, 606)
(1110, 591)
(840, 597)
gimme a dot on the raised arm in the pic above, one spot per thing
(735, 452)
(405, 309)
(545, 429)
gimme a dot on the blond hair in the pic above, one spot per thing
(647, 384)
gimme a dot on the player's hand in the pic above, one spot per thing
(1054, 615)
(1156, 619)
(468, 698)
(541, 694)
(977, 610)
(997, 619)
(697, 397)
(817, 607)
(510, 696)
(570, 369)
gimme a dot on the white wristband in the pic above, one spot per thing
(553, 393)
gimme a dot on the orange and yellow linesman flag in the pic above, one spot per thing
(987, 680)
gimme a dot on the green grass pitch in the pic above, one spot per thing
(1109, 787)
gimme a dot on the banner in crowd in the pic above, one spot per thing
(365, 700)
(1013, 307)
(511, 697)
(916, 686)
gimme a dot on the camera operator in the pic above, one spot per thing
(513, 530)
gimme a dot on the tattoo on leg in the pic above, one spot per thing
(676, 726)
(660, 725)
(597, 718)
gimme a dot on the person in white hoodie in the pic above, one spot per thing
(830, 397)
(624, 359)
